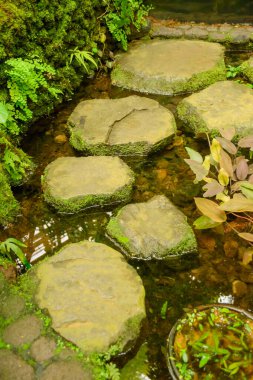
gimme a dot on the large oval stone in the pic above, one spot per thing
(169, 66)
(152, 230)
(129, 126)
(95, 298)
(71, 184)
(222, 105)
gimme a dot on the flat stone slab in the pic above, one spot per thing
(152, 230)
(24, 330)
(94, 297)
(169, 66)
(129, 126)
(12, 367)
(65, 370)
(71, 184)
(224, 104)
(247, 69)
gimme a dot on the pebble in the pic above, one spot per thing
(60, 139)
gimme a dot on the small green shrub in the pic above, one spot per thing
(121, 15)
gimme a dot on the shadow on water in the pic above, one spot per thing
(208, 280)
(209, 11)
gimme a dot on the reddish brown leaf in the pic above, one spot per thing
(227, 145)
(246, 142)
(212, 188)
(251, 179)
(210, 209)
(227, 133)
(242, 168)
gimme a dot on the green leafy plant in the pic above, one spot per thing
(233, 71)
(228, 175)
(120, 15)
(11, 247)
(24, 79)
(213, 343)
(83, 58)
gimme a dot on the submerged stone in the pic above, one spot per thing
(222, 105)
(129, 126)
(247, 69)
(169, 66)
(94, 297)
(152, 230)
(71, 184)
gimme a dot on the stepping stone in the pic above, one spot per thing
(71, 370)
(24, 330)
(247, 69)
(43, 349)
(152, 230)
(222, 105)
(94, 297)
(169, 67)
(12, 367)
(129, 126)
(71, 184)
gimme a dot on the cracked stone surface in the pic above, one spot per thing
(224, 104)
(131, 125)
(95, 298)
(152, 230)
(169, 66)
(13, 367)
(71, 184)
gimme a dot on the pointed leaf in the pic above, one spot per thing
(227, 145)
(207, 162)
(210, 209)
(194, 155)
(204, 360)
(204, 223)
(215, 150)
(247, 236)
(247, 189)
(242, 168)
(227, 133)
(213, 188)
(246, 142)
(223, 177)
(197, 169)
(238, 204)
(226, 163)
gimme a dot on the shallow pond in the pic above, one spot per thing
(209, 280)
(210, 11)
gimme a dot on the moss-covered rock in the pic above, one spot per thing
(247, 69)
(152, 230)
(169, 66)
(9, 206)
(71, 184)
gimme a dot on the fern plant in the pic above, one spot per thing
(121, 15)
(83, 58)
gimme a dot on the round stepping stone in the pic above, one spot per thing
(95, 298)
(169, 66)
(23, 330)
(129, 126)
(12, 307)
(152, 230)
(247, 69)
(222, 105)
(12, 367)
(61, 370)
(43, 349)
(71, 184)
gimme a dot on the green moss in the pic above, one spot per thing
(114, 230)
(9, 206)
(123, 78)
(247, 69)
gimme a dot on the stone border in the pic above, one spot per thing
(223, 33)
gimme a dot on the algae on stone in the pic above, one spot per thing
(9, 206)
(169, 67)
(71, 184)
(222, 105)
(247, 69)
(94, 297)
(152, 230)
(129, 126)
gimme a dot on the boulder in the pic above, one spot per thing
(71, 184)
(94, 297)
(169, 67)
(129, 126)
